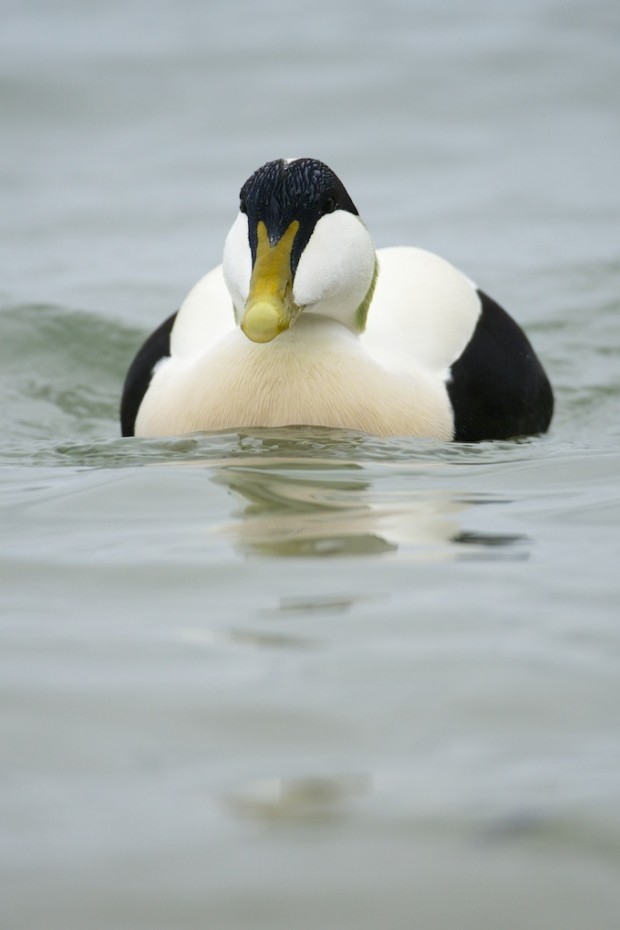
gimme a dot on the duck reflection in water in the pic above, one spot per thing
(309, 507)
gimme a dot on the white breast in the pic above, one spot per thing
(315, 374)
(389, 381)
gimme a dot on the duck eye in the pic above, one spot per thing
(243, 207)
(329, 205)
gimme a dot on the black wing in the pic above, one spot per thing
(498, 388)
(156, 347)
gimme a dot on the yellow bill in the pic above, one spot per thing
(269, 309)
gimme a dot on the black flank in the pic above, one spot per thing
(156, 347)
(498, 388)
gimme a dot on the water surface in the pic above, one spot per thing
(302, 678)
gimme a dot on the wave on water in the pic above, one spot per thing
(61, 372)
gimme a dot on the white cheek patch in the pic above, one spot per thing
(336, 267)
(237, 263)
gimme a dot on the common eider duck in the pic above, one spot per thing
(305, 323)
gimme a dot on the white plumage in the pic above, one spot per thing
(335, 333)
(387, 381)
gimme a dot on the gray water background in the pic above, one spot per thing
(300, 679)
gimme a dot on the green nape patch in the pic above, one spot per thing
(361, 314)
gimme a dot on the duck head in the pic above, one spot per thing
(297, 246)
